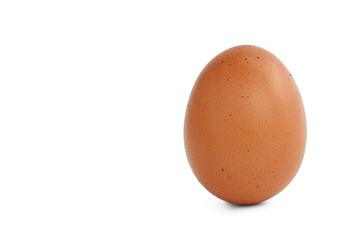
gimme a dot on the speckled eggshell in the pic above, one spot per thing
(245, 126)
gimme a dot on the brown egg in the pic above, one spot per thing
(245, 126)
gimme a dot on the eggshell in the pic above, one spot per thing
(245, 126)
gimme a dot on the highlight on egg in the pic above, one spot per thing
(245, 126)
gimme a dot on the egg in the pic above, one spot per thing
(245, 126)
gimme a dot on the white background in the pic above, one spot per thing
(92, 102)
